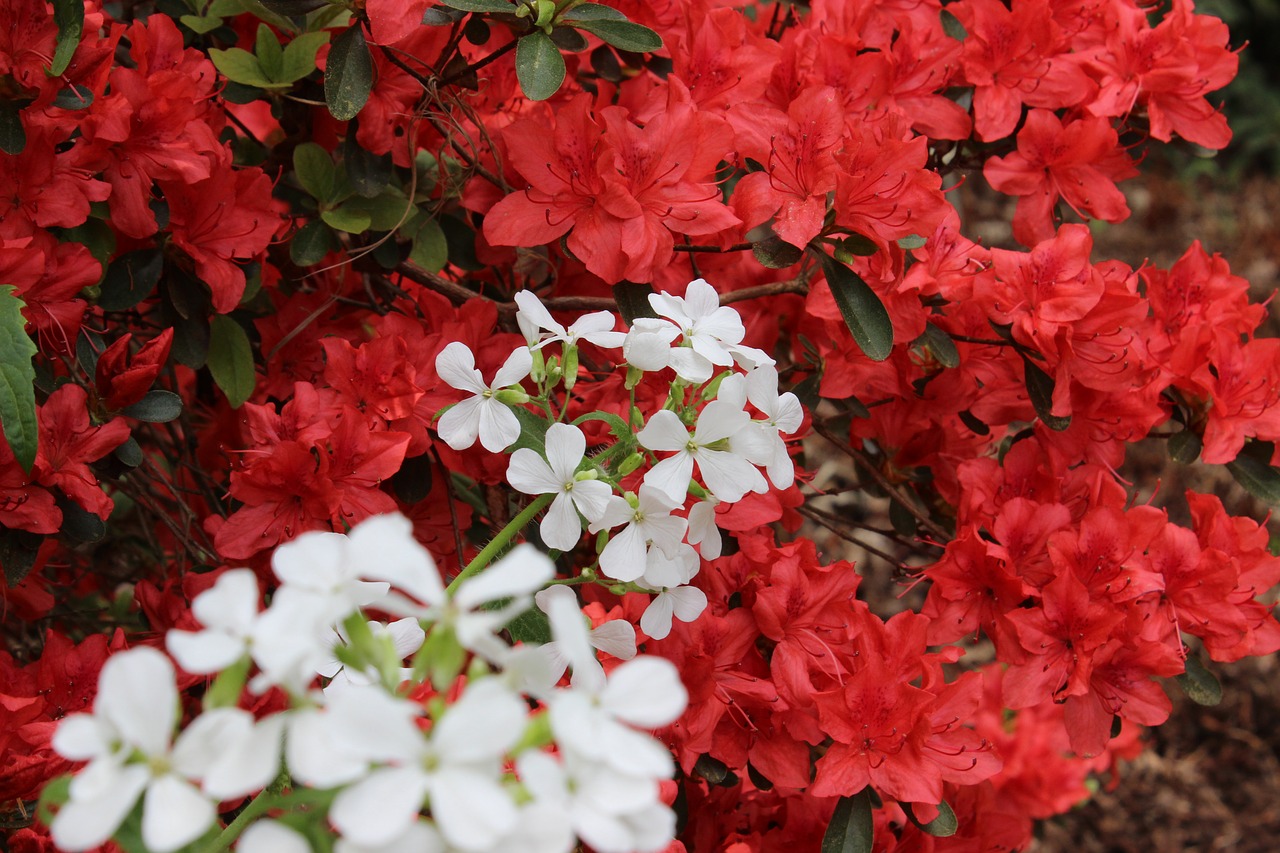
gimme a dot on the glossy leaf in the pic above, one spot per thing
(69, 17)
(497, 6)
(1040, 390)
(231, 360)
(13, 137)
(539, 66)
(623, 35)
(1252, 469)
(863, 312)
(17, 380)
(157, 407)
(850, 829)
(1200, 685)
(348, 76)
(942, 826)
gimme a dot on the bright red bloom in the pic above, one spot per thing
(123, 380)
(69, 442)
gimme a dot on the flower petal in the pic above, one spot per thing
(174, 813)
(136, 694)
(529, 473)
(456, 365)
(380, 807)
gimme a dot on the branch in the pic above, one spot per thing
(848, 537)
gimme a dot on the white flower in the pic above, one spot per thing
(482, 414)
(457, 765)
(514, 578)
(712, 334)
(702, 528)
(727, 475)
(229, 611)
(272, 836)
(595, 328)
(685, 603)
(601, 726)
(406, 636)
(648, 344)
(528, 472)
(573, 643)
(783, 415)
(127, 743)
(649, 523)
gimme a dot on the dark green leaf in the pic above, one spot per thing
(74, 97)
(462, 243)
(368, 173)
(539, 66)
(348, 76)
(293, 8)
(974, 423)
(430, 249)
(89, 347)
(863, 312)
(315, 170)
(714, 771)
(605, 63)
(69, 16)
(531, 626)
(569, 39)
(190, 340)
(1185, 447)
(533, 431)
(1040, 390)
(593, 12)
(500, 7)
(13, 138)
(951, 26)
(437, 16)
(623, 35)
(942, 826)
(1252, 469)
(79, 525)
(412, 483)
(851, 829)
(270, 54)
(775, 253)
(1200, 685)
(201, 25)
(1117, 726)
(633, 301)
(352, 220)
(130, 279)
(299, 57)
(17, 380)
(130, 453)
(18, 551)
(157, 407)
(940, 344)
(477, 30)
(312, 242)
(384, 212)
(231, 360)
(854, 246)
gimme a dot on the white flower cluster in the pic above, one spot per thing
(731, 443)
(465, 768)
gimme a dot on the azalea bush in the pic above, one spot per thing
(412, 412)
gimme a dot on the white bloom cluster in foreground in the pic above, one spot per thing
(720, 435)
(493, 758)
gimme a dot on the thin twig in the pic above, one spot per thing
(896, 493)
(848, 537)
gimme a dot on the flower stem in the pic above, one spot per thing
(500, 541)
(257, 807)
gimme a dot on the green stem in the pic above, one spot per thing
(257, 807)
(500, 541)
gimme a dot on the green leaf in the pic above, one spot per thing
(539, 66)
(293, 8)
(951, 26)
(775, 253)
(623, 35)
(13, 137)
(533, 431)
(157, 407)
(412, 483)
(1040, 390)
(315, 170)
(385, 211)
(130, 279)
(270, 54)
(531, 626)
(850, 829)
(368, 173)
(1252, 469)
(312, 242)
(942, 826)
(69, 16)
(18, 552)
(863, 312)
(239, 66)
(430, 249)
(911, 241)
(1185, 447)
(300, 56)
(231, 360)
(80, 526)
(1200, 685)
(593, 12)
(940, 344)
(352, 221)
(74, 97)
(348, 76)
(201, 25)
(17, 380)
(498, 6)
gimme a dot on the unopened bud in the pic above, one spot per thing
(511, 396)
(631, 463)
(570, 367)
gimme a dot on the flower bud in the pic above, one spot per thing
(631, 463)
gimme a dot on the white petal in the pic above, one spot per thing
(457, 366)
(460, 425)
(733, 391)
(523, 571)
(380, 807)
(729, 476)
(565, 448)
(664, 431)
(384, 549)
(656, 621)
(720, 419)
(499, 427)
(701, 299)
(248, 765)
(481, 725)
(174, 813)
(789, 413)
(616, 637)
(316, 560)
(231, 603)
(407, 635)
(514, 369)
(597, 328)
(703, 530)
(272, 836)
(315, 757)
(647, 345)
(204, 652)
(722, 324)
(532, 309)
(689, 602)
(136, 694)
(671, 476)
(645, 692)
(690, 366)
(376, 725)
(82, 824)
(420, 837)
(80, 737)
(527, 472)
(635, 753)
(473, 812)
(591, 497)
(623, 558)
(208, 736)
(670, 306)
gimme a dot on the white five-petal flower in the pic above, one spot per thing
(648, 523)
(481, 414)
(727, 475)
(595, 328)
(557, 475)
